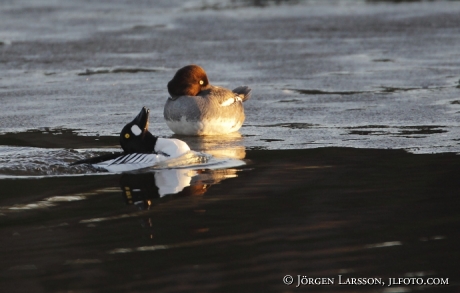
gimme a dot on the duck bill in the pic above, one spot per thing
(142, 120)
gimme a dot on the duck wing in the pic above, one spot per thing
(130, 162)
(227, 97)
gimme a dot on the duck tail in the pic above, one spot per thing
(244, 92)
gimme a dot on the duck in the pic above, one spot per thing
(141, 149)
(195, 107)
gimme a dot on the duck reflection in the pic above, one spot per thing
(143, 189)
(220, 146)
(146, 189)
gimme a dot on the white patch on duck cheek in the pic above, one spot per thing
(136, 130)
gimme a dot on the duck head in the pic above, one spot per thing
(188, 81)
(135, 136)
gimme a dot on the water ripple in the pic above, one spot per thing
(31, 161)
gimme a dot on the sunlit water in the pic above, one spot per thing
(19, 162)
(29, 161)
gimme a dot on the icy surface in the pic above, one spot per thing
(323, 73)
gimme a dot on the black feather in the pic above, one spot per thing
(98, 159)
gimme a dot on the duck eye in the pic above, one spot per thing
(127, 135)
(201, 82)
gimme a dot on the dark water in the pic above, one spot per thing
(319, 212)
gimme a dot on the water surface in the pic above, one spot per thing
(320, 212)
(349, 146)
(323, 73)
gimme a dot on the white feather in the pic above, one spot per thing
(228, 102)
(171, 147)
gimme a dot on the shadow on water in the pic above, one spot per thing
(233, 4)
(56, 137)
(319, 213)
(116, 70)
(380, 90)
(408, 131)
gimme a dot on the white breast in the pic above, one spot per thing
(166, 149)
(171, 147)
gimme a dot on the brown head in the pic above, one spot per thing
(188, 81)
